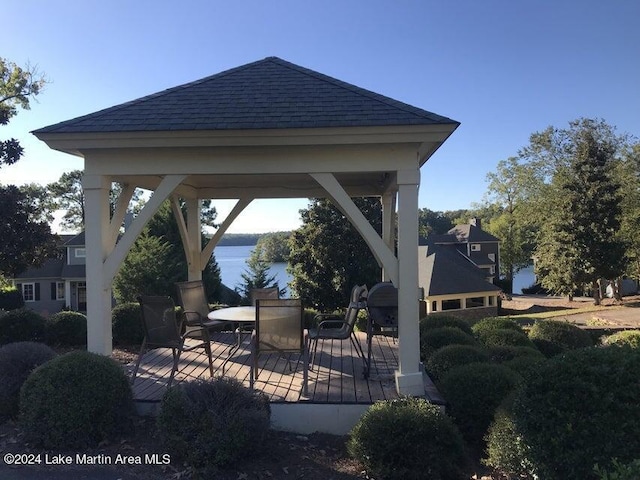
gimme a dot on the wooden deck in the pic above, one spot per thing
(336, 377)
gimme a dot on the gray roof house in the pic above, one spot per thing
(267, 129)
(60, 282)
(482, 248)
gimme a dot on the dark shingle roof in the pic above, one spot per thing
(471, 233)
(76, 240)
(269, 93)
(449, 272)
(51, 268)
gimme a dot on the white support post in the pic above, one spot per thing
(195, 267)
(388, 225)
(96, 194)
(67, 294)
(409, 375)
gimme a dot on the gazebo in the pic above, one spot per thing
(268, 129)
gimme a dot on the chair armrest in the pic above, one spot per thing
(335, 324)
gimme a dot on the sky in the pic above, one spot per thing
(504, 69)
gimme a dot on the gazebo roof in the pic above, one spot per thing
(267, 94)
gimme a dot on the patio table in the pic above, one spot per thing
(243, 317)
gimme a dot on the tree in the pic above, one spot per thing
(26, 239)
(275, 246)
(257, 275)
(628, 175)
(17, 87)
(328, 256)
(68, 195)
(159, 249)
(512, 188)
(433, 223)
(580, 245)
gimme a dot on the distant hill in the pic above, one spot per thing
(239, 239)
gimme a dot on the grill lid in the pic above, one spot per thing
(382, 304)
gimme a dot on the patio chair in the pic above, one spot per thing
(262, 293)
(279, 330)
(332, 326)
(162, 330)
(195, 309)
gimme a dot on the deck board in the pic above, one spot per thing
(336, 375)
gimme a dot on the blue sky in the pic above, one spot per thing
(504, 69)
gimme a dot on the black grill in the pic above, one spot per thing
(382, 303)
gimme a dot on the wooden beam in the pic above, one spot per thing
(237, 209)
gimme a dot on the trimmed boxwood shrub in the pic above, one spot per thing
(504, 337)
(66, 328)
(525, 365)
(76, 400)
(504, 353)
(21, 325)
(553, 337)
(17, 361)
(629, 338)
(10, 298)
(453, 356)
(580, 409)
(212, 423)
(494, 323)
(408, 438)
(506, 451)
(437, 321)
(473, 393)
(127, 326)
(433, 339)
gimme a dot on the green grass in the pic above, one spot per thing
(564, 312)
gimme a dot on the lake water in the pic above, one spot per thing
(232, 261)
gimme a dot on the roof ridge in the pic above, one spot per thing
(361, 91)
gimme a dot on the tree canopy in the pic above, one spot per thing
(328, 256)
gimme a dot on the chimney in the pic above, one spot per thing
(476, 222)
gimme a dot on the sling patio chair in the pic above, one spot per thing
(262, 293)
(333, 326)
(195, 309)
(162, 330)
(279, 329)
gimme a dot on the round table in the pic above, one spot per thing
(234, 314)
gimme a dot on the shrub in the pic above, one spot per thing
(506, 451)
(66, 328)
(453, 356)
(21, 325)
(630, 338)
(553, 337)
(474, 392)
(17, 361)
(408, 438)
(10, 298)
(580, 409)
(76, 400)
(504, 337)
(213, 423)
(525, 364)
(127, 324)
(436, 321)
(619, 471)
(432, 340)
(494, 323)
(504, 353)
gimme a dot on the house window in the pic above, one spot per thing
(475, 247)
(81, 253)
(492, 257)
(454, 304)
(475, 302)
(492, 301)
(59, 290)
(29, 292)
(434, 306)
(492, 269)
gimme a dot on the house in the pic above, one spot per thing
(457, 270)
(60, 282)
(482, 248)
